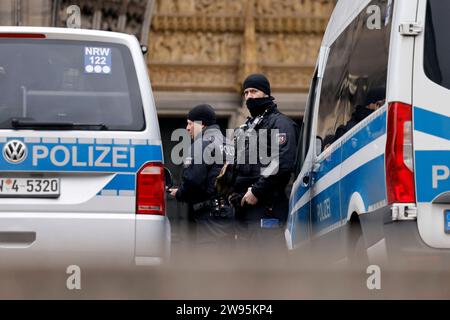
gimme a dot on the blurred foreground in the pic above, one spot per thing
(233, 273)
(245, 273)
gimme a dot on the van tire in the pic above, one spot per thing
(355, 245)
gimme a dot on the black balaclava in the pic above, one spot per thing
(204, 113)
(259, 105)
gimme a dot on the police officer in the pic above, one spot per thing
(211, 214)
(375, 99)
(259, 199)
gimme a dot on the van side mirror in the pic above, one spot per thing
(168, 178)
(319, 145)
(144, 49)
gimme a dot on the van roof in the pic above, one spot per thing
(343, 14)
(71, 34)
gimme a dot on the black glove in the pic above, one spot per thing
(235, 199)
(225, 179)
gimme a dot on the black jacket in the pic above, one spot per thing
(264, 186)
(198, 179)
(360, 113)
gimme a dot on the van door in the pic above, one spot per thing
(299, 219)
(431, 123)
(325, 192)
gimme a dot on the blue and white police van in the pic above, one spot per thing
(374, 154)
(81, 164)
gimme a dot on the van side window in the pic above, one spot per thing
(437, 43)
(305, 132)
(354, 83)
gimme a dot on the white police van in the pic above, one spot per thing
(81, 165)
(384, 170)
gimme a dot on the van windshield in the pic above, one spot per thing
(88, 85)
(437, 42)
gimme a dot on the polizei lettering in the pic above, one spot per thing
(440, 174)
(90, 156)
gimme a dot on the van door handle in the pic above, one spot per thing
(306, 179)
(17, 239)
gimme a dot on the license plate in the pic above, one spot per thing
(270, 223)
(447, 221)
(29, 187)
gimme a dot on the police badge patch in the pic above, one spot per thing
(187, 162)
(281, 137)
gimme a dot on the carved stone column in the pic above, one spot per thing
(97, 19)
(122, 21)
(249, 62)
(148, 15)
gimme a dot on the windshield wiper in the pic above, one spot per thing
(28, 124)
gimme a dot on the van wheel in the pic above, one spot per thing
(355, 246)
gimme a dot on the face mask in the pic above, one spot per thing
(259, 105)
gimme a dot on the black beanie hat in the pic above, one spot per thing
(257, 81)
(204, 113)
(375, 95)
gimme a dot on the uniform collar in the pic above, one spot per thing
(211, 127)
(272, 109)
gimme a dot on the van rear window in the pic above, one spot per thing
(92, 85)
(354, 81)
(437, 43)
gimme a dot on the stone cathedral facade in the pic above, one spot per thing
(211, 45)
(201, 50)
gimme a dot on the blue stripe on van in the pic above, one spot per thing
(368, 133)
(352, 144)
(122, 182)
(298, 224)
(432, 123)
(300, 218)
(325, 210)
(296, 196)
(368, 180)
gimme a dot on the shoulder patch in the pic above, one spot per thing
(187, 162)
(281, 137)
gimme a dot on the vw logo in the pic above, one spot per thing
(15, 151)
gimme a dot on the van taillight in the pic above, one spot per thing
(150, 195)
(399, 154)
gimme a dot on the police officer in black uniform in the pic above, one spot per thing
(375, 99)
(258, 195)
(211, 214)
